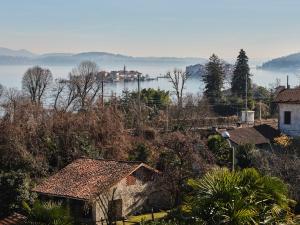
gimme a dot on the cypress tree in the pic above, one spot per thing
(240, 73)
(214, 79)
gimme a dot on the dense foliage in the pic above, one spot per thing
(240, 74)
(48, 213)
(50, 124)
(214, 79)
(14, 188)
(221, 149)
(242, 197)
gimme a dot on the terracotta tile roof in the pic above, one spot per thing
(269, 131)
(248, 135)
(84, 178)
(16, 218)
(288, 96)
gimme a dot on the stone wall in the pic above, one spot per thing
(139, 193)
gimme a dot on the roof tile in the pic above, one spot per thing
(84, 178)
(14, 219)
(247, 135)
(288, 96)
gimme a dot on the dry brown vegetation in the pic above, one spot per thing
(44, 130)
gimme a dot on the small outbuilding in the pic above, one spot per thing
(261, 136)
(288, 101)
(95, 190)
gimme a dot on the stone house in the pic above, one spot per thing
(95, 190)
(288, 101)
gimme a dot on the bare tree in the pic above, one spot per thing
(87, 82)
(35, 82)
(12, 97)
(178, 79)
(64, 94)
(57, 91)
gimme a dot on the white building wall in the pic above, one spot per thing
(292, 129)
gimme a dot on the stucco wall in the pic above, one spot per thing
(292, 129)
(135, 198)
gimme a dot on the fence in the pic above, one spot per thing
(205, 122)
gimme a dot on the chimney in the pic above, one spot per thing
(287, 82)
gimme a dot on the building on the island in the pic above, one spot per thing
(95, 190)
(122, 75)
(288, 101)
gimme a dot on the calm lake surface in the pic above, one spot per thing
(11, 76)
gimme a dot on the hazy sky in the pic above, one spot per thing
(264, 28)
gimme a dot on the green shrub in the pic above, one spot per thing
(48, 213)
(14, 188)
(244, 155)
(140, 153)
(241, 197)
(220, 147)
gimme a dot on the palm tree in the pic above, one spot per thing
(241, 197)
(48, 213)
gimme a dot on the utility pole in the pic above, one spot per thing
(124, 71)
(139, 103)
(167, 117)
(246, 102)
(102, 91)
(260, 111)
(139, 93)
(226, 136)
(233, 156)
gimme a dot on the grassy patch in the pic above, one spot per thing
(144, 217)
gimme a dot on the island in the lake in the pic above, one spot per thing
(289, 62)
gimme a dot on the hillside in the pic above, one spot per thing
(24, 57)
(289, 62)
(15, 53)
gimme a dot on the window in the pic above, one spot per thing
(287, 117)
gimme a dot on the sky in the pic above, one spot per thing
(182, 28)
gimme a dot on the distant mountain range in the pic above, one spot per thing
(16, 53)
(24, 57)
(289, 62)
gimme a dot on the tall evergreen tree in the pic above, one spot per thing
(214, 79)
(240, 73)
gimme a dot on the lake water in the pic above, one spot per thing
(11, 76)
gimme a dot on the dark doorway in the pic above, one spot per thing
(116, 209)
